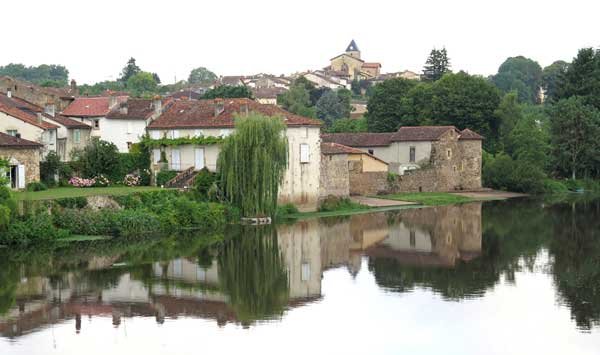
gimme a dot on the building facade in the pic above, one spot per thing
(351, 64)
(23, 158)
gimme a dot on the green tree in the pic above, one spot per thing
(100, 158)
(582, 78)
(252, 163)
(129, 70)
(348, 125)
(45, 74)
(437, 65)
(329, 108)
(552, 76)
(228, 92)
(156, 78)
(574, 129)
(508, 115)
(522, 75)
(297, 100)
(201, 75)
(142, 83)
(387, 108)
(528, 142)
(101, 87)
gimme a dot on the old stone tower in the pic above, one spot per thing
(352, 50)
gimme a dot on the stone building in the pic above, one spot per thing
(215, 118)
(426, 158)
(351, 64)
(23, 157)
(38, 95)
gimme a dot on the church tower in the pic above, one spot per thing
(353, 50)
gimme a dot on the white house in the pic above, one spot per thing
(206, 118)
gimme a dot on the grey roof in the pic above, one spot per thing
(352, 47)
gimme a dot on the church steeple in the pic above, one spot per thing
(353, 50)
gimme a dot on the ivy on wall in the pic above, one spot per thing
(156, 143)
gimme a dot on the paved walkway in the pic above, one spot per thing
(379, 202)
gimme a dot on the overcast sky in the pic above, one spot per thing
(94, 39)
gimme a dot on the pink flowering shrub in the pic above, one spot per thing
(101, 181)
(81, 182)
(131, 180)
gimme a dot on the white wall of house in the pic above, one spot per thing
(397, 154)
(29, 132)
(119, 132)
(75, 139)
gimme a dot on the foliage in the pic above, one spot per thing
(129, 70)
(44, 74)
(203, 183)
(49, 169)
(552, 76)
(72, 202)
(522, 75)
(101, 88)
(297, 99)
(428, 198)
(36, 186)
(581, 78)
(76, 181)
(348, 125)
(142, 84)
(165, 176)
(286, 210)
(228, 92)
(100, 158)
(437, 65)
(503, 173)
(332, 106)
(387, 109)
(201, 75)
(173, 142)
(131, 180)
(333, 203)
(574, 129)
(252, 163)
(508, 114)
(36, 228)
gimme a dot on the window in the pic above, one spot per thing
(305, 132)
(412, 154)
(154, 134)
(371, 151)
(304, 153)
(129, 146)
(12, 132)
(156, 155)
(76, 136)
(174, 134)
(96, 124)
(305, 271)
(198, 133)
(449, 153)
(129, 127)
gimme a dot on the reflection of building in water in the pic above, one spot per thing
(185, 287)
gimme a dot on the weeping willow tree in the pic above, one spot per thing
(252, 163)
(253, 273)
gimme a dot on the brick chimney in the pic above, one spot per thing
(73, 86)
(157, 105)
(39, 118)
(219, 107)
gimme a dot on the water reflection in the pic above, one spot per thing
(257, 274)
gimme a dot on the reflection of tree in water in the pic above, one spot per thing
(252, 273)
(576, 267)
(9, 277)
(513, 232)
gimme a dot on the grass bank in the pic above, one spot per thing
(429, 198)
(346, 212)
(67, 192)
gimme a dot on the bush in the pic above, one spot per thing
(101, 158)
(72, 202)
(36, 186)
(334, 203)
(124, 223)
(504, 173)
(164, 176)
(38, 228)
(49, 169)
(286, 210)
(554, 186)
(203, 183)
(81, 182)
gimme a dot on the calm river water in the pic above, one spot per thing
(506, 277)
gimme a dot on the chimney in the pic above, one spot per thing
(244, 109)
(9, 93)
(39, 118)
(112, 101)
(50, 109)
(219, 107)
(157, 104)
(123, 109)
(18, 136)
(73, 86)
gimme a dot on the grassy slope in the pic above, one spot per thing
(428, 198)
(62, 192)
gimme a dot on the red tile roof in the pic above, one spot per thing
(201, 114)
(420, 133)
(8, 141)
(359, 139)
(90, 106)
(267, 93)
(335, 148)
(67, 122)
(136, 109)
(372, 65)
(26, 116)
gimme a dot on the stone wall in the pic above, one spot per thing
(35, 94)
(334, 175)
(28, 157)
(366, 183)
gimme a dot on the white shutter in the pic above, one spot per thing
(304, 153)
(154, 134)
(129, 127)
(199, 158)
(305, 271)
(175, 134)
(21, 176)
(175, 160)
(156, 153)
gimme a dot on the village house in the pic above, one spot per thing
(23, 157)
(267, 95)
(324, 79)
(116, 119)
(38, 95)
(351, 64)
(427, 158)
(215, 118)
(21, 118)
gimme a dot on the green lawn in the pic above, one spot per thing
(428, 198)
(62, 192)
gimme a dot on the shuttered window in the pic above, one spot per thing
(304, 153)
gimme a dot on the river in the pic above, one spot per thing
(520, 276)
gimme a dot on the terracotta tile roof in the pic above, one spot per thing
(267, 93)
(68, 122)
(201, 114)
(335, 148)
(90, 106)
(8, 141)
(372, 65)
(133, 109)
(186, 94)
(467, 134)
(359, 139)
(420, 133)
(23, 111)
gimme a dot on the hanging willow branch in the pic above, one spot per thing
(252, 163)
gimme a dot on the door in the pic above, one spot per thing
(21, 176)
(175, 160)
(199, 158)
